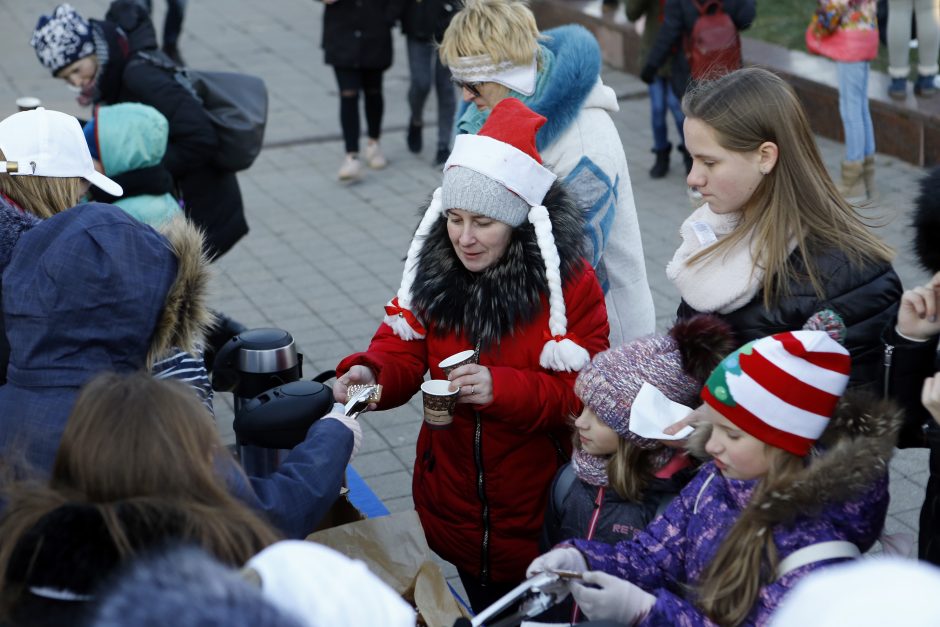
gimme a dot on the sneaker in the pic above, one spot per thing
(351, 169)
(414, 137)
(898, 88)
(441, 157)
(925, 87)
(374, 156)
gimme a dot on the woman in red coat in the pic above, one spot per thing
(500, 272)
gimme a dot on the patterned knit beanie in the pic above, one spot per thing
(497, 173)
(676, 364)
(781, 389)
(62, 38)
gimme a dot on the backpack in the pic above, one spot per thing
(714, 46)
(236, 104)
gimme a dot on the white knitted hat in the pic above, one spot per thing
(503, 152)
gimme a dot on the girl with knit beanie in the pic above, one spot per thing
(797, 481)
(618, 481)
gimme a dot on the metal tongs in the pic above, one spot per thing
(359, 400)
(538, 593)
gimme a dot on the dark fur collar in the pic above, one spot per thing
(853, 453)
(490, 305)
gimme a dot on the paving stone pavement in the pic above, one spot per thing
(323, 257)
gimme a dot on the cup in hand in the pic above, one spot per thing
(439, 403)
(455, 361)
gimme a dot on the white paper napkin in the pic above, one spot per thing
(652, 412)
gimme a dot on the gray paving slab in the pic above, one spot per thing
(323, 257)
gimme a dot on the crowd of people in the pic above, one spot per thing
(797, 361)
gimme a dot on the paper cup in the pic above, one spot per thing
(455, 361)
(28, 103)
(439, 403)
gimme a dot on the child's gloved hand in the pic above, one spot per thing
(567, 558)
(612, 599)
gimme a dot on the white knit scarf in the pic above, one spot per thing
(720, 282)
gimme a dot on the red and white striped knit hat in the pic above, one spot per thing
(781, 389)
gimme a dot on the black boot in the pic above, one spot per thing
(686, 158)
(661, 166)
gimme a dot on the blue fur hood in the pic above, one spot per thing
(573, 74)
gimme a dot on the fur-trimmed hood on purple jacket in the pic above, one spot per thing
(842, 494)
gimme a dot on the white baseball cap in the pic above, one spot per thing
(50, 143)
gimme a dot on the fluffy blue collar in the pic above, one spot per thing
(577, 64)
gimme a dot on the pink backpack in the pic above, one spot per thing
(714, 46)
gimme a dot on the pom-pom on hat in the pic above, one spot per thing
(676, 364)
(781, 389)
(62, 38)
(499, 174)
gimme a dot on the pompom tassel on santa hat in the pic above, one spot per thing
(504, 153)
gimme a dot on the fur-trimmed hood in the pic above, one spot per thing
(849, 458)
(926, 222)
(91, 290)
(491, 304)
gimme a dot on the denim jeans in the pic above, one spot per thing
(173, 24)
(422, 61)
(853, 107)
(662, 96)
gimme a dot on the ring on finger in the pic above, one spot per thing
(471, 390)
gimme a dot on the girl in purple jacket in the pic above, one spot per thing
(797, 480)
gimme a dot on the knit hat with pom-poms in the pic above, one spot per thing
(497, 173)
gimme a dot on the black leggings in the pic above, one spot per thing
(351, 81)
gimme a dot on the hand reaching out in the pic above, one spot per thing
(919, 314)
(356, 374)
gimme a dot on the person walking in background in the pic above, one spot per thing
(495, 50)
(774, 241)
(357, 42)
(663, 99)
(172, 26)
(424, 23)
(850, 38)
(679, 18)
(927, 14)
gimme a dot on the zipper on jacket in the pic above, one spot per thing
(889, 355)
(592, 528)
(481, 493)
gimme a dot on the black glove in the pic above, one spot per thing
(648, 74)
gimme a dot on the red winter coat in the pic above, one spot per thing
(482, 505)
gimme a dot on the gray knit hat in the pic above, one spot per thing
(466, 189)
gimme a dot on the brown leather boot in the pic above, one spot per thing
(868, 175)
(852, 186)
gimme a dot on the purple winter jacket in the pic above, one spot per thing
(841, 495)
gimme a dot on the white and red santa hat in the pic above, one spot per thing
(781, 389)
(497, 173)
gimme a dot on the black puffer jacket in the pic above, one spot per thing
(866, 298)
(679, 17)
(357, 34)
(211, 196)
(426, 20)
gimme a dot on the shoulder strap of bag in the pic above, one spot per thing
(179, 73)
(817, 553)
(562, 486)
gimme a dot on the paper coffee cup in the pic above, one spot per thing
(455, 361)
(28, 103)
(439, 403)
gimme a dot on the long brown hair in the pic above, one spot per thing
(145, 448)
(797, 199)
(42, 196)
(747, 558)
(630, 470)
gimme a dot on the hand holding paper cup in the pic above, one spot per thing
(439, 403)
(457, 360)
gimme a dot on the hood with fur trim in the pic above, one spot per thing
(489, 305)
(926, 222)
(851, 456)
